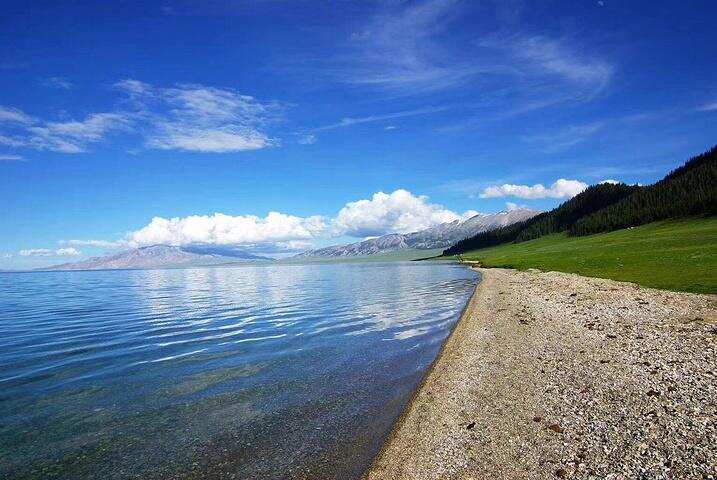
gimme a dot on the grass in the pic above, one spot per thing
(672, 255)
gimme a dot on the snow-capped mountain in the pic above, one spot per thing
(440, 236)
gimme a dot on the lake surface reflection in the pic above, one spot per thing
(264, 371)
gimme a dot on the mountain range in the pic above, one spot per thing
(440, 236)
(158, 256)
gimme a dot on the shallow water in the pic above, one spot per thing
(265, 371)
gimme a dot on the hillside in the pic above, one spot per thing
(440, 236)
(673, 255)
(687, 191)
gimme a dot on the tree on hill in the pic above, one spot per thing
(687, 191)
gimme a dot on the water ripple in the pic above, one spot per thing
(200, 372)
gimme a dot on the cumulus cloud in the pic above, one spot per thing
(562, 188)
(397, 212)
(220, 229)
(46, 252)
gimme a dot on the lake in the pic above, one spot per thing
(257, 371)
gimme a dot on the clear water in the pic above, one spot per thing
(276, 372)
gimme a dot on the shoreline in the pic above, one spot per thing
(553, 375)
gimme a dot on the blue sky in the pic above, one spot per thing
(189, 122)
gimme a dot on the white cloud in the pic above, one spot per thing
(347, 122)
(6, 255)
(57, 82)
(185, 117)
(552, 57)
(46, 252)
(220, 229)
(218, 140)
(565, 137)
(611, 181)
(67, 252)
(197, 118)
(307, 139)
(95, 243)
(410, 49)
(65, 137)
(401, 51)
(11, 158)
(13, 115)
(562, 188)
(74, 136)
(390, 127)
(397, 212)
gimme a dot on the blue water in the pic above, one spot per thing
(265, 371)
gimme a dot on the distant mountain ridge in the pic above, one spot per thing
(157, 256)
(440, 236)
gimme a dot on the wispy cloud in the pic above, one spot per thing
(71, 136)
(201, 119)
(193, 118)
(13, 115)
(410, 50)
(57, 82)
(545, 57)
(75, 135)
(11, 158)
(309, 139)
(400, 51)
(349, 121)
(564, 137)
(95, 243)
(708, 107)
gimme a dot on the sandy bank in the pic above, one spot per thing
(553, 375)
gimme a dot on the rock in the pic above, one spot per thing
(556, 428)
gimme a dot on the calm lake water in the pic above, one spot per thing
(266, 371)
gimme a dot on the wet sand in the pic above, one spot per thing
(553, 375)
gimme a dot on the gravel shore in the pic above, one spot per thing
(553, 375)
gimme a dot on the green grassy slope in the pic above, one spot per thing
(672, 255)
